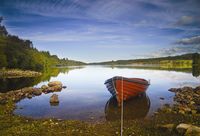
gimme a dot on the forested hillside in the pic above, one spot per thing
(186, 58)
(19, 53)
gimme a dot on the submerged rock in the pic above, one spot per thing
(54, 99)
(173, 89)
(162, 98)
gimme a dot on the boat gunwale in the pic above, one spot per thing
(128, 80)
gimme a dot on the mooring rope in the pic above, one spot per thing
(122, 104)
(122, 108)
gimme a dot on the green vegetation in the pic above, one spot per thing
(29, 78)
(16, 73)
(19, 53)
(187, 63)
(152, 62)
(20, 126)
(182, 64)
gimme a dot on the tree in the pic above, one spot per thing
(3, 31)
(3, 60)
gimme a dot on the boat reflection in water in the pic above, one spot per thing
(134, 108)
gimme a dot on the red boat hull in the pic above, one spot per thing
(126, 88)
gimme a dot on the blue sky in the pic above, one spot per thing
(101, 30)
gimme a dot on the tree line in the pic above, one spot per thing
(152, 61)
(19, 53)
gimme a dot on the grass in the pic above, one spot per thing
(20, 126)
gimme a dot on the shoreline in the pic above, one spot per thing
(17, 73)
(158, 124)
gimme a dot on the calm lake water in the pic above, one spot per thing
(87, 98)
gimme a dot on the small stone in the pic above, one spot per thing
(181, 111)
(44, 87)
(64, 87)
(155, 113)
(162, 98)
(37, 91)
(194, 112)
(192, 102)
(167, 127)
(181, 128)
(29, 96)
(187, 110)
(54, 99)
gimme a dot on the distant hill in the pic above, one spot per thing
(186, 61)
(146, 61)
(19, 53)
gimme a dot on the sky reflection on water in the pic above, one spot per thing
(86, 95)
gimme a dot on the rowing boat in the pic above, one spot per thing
(125, 88)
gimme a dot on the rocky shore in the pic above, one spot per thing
(183, 117)
(187, 101)
(178, 119)
(15, 73)
(30, 92)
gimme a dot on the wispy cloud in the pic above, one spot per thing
(177, 51)
(94, 34)
(189, 41)
(107, 24)
(188, 22)
(182, 46)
